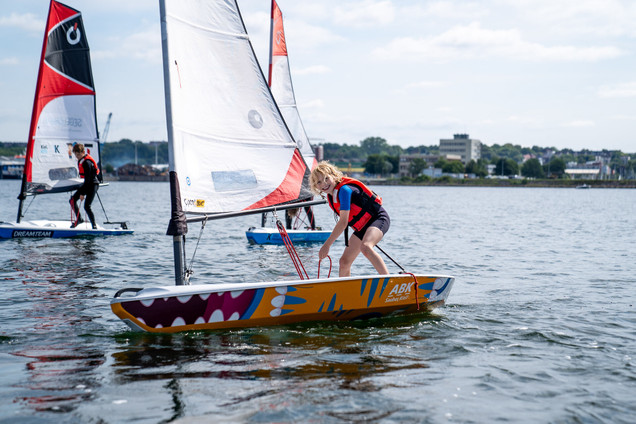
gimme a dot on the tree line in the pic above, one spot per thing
(377, 157)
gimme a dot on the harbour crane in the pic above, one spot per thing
(106, 127)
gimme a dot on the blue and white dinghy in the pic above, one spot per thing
(302, 228)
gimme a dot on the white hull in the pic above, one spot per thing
(57, 229)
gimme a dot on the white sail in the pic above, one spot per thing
(280, 82)
(228, 143)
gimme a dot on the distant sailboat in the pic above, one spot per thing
(63, 114)
(231, 154)
(302, 227)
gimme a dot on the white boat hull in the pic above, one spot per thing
(57, 229)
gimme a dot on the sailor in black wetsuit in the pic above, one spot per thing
(88, 170)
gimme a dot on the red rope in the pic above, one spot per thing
(292, 251)
(74, 219)
(417, 302)
(330, 263)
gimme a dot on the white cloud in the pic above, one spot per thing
(624, 117)
(312, 104)
(426, 84)
(9, 61)
(313, 70)
(627, 89)
(524, 120)
(300, 35)
(473, 41)
(145, 46)
(26, 21)
(579, 17)
(579, 123)
(446, 9)
(367, 13)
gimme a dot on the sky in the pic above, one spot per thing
(549, 73)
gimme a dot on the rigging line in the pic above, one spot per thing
(417, 303)
(100, 202)
(189, 271)
(392, 260)
(27, 208)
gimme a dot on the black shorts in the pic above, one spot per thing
(382, 222)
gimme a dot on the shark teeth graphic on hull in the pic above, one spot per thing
(178, 311)
(217, 316)
(278, 302)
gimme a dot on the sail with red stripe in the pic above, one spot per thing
(229, 146)
(280, 83)
(64, 106)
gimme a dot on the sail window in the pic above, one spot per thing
(234, 180)
(56, 174)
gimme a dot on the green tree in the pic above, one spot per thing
(478, 168)
(509, 166)
(377, 146)
(378, 164)
(556, 167)
(440, 163)
(374, 145)
(532, 169)
(453, 167)
(416, 167)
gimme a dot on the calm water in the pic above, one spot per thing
(540, 325)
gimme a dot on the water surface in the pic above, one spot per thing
(540, 325)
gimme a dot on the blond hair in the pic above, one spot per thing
(324, 169)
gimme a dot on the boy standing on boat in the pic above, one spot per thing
(357, 207)
(88, 170)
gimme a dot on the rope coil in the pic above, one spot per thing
(330, 264)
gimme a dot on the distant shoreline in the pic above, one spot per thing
(509, 183)
(452, 183)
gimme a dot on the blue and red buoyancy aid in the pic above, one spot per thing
(364, 206)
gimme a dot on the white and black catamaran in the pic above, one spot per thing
(231, 154)
(302, 227)
(64, 113)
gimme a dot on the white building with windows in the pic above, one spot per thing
(462, 145)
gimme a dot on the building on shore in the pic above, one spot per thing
(11, 168)
(461, 144)
(406, 160)
(593, 170)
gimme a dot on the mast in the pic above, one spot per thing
(269, 75)
(271, 43)
(32, 127)
(177, 228)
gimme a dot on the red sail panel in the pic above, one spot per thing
(279, 47)
(290, 189)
